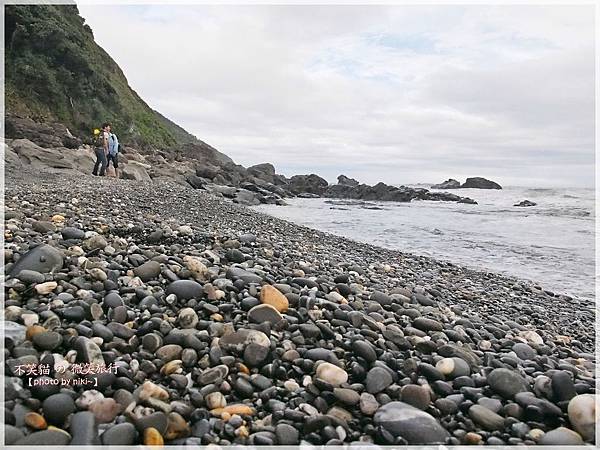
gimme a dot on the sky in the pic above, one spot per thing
(400, 94)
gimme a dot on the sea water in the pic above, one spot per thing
(551, 244)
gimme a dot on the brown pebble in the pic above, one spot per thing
(105, 410)
(153, 437)
(33, 330)
(177, 427)
(35, 421)
(472, 438)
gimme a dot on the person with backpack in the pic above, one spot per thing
(113, 152)
(101, 142)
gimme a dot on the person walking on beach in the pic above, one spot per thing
(101, 150)
(113, 153)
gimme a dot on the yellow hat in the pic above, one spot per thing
(96, 131)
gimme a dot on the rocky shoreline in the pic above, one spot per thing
(208, 322)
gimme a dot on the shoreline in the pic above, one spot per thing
(475, 267)
(175, 291)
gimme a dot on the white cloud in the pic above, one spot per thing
(399, 94)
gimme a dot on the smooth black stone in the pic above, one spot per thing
(120, 434)
(83, 429)
(57, 408)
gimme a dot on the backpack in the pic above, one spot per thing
(98, 139)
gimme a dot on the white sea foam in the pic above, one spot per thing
(551, 243)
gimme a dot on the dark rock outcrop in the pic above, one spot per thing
(47, 135)
(480, 183)
(264, 171)
(312, 184)
(385, 192)
(525, 203)
(451, 183)
(346, 181)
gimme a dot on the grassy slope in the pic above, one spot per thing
(55, 71)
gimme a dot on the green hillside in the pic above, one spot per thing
(56, 71)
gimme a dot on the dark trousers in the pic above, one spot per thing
(100, 162)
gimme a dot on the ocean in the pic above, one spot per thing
(551, 244)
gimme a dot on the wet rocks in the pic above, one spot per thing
(425, 324)
(286, 434)
(188, 318)
(104, 410)
(45, 437)
(273, 297)
(239, 340)
(120, 434)
(525, 203)
(331, 374)
(147, 271)
(364, 350)
(95, 242)
(282, 336)
(488, 419)
(84, 429)
(47, 340)
(42, 259)
(561, 436)
(415, 426)
(381, 298)
(57, 408)
(415, 395)
(377, 380)
(30, 276)
(582, 415)
(69, 233)
(507, 383)
(264, 313)
(453, 367)
(185, 289)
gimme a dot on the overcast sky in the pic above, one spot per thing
(400, 94)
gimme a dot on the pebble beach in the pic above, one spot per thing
(169, 315)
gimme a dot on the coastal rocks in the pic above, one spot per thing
(120, 434)
(451, 183)
(188, 318)
(381, 298)
(561, 437)
(273, 297)
(216, 361)
(415, 426)
(47, 340)
(57, 408)
(30, 277)
(345, 181)
(525, 203)
(377, 380)
(135, 170)
(264, 313)
(582, 415)
(480, 183)
(53, 437)
(415, 395)
(488, 419)
(185, 289)
(312, 184)
(453, 368)
(42, 259)
(240, 339)
(331, 374)
(84, 429)
(46, 288)
(104, 410)
(147, 271)
(507, 383)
